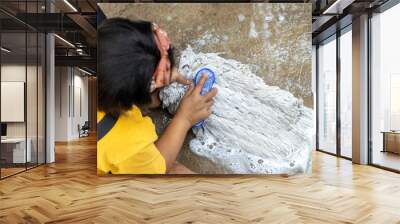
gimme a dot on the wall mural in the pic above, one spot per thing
(260, 56)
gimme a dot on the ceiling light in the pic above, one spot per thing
(65, 41)
(70, 5)
(331, 7)
(5, 50)
(84, 71)
(79, 51)
(338, 6)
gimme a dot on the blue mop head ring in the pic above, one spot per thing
(208, 85)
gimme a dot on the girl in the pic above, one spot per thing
(135, 60)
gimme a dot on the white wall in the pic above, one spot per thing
(80, 110)
(61, 103)
(71, 94)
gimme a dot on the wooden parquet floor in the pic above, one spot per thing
(69, 191)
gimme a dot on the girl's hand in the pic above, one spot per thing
(167, 78)
(195, 107)
(178, 77)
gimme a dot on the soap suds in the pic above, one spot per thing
(254, 128)
(268, 18)
(241, 17)
(207, 38)
(253, 32)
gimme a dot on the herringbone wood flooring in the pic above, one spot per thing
(69, 191)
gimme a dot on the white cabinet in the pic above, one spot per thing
(19, 155)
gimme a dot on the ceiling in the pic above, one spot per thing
(75, 21)
(332, 15)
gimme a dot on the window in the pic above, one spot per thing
(385, 89)
(346, 93)
(327, 96)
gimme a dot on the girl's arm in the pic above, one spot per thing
(192, 109)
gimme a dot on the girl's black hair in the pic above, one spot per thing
(127, 58)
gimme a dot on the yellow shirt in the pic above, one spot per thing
(128, 148)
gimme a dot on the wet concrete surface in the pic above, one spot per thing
(275, 37)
